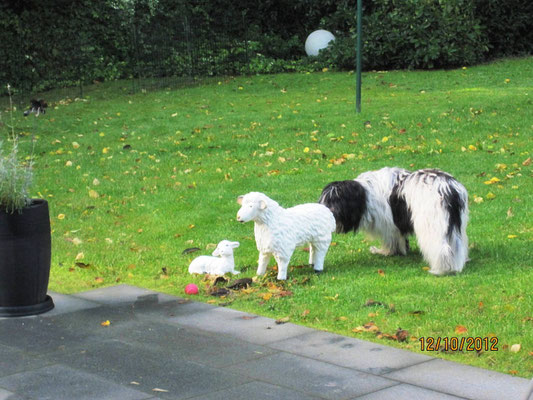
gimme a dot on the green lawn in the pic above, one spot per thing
(133, 180)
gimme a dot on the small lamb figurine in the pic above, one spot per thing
(279, 231)
(221, 262)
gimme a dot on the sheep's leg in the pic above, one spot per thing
(311, 254)
(319, 254)
(283, 266)
(262, 263)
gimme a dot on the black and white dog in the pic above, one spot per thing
(392, 203)
(36, 107)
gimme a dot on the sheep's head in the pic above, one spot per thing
(252, 204)
(225, 248)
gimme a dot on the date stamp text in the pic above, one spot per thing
(458, 343)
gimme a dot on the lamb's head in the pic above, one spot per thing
(252, 205)
(225, 248)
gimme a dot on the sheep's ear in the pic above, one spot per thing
(234, 244)
(263, 204)
(239, 200)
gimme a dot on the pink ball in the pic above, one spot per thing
(191, 288)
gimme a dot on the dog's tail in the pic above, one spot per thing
(445, 244)
(451, 257)
(347, 202)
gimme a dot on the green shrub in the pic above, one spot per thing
(414, 34)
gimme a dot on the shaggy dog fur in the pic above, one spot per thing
(392, 203)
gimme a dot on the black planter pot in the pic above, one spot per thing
(25, 253)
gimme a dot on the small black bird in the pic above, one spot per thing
(37, 107)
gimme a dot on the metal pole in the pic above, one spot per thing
(358, 56)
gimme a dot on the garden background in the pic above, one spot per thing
(135, 177)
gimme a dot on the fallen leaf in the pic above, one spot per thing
(61, 216)
(515, 348)
(402, 335)
(240, 284)
(305, 313)
(381, 272)
(527, 162)
(371, 302)
(83, 265)
(284, 293)
(159, 390)
(105, 323)
(266, 296)
(219, 292)
(283, 320)
(99, 279)
(190, 250)
(460, 329)
(93, 194)
(492, 181)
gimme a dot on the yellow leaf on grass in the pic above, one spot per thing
(61, 216)
(266, 296)
(512, 236)
(460, 329)
(515, 348)
(492, 181)
(93, 194)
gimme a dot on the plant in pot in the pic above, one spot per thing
(25, 239)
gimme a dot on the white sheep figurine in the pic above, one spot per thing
(220, 263)
(278, 231)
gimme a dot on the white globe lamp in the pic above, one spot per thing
(317, 41)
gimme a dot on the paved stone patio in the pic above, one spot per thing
(162, 347)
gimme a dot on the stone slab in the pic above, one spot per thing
(149, 368)
(13, 361)
(407, 392)
(462, 380)
(350, 352)
(7, 395)
(62, 383)
(248, 327)
(124, 294)
(312, 377)
(257, 391)
(208, 348)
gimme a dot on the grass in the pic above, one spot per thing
(133, 180)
